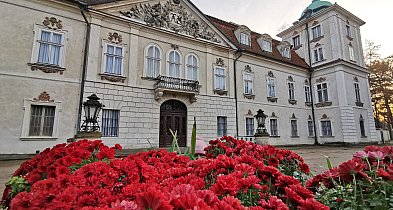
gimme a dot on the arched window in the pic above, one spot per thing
(174, 64)
(153, 61)
(192, 67)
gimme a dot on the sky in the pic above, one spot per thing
(267, 16)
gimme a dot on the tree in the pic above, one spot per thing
(371, 52)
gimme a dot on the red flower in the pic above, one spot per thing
(312, 204)
(152, 199)
(304, 168)
(274, 204)
(272, 161)
(351, 168)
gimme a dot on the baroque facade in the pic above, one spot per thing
(159, 64)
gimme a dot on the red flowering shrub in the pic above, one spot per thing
(364, 182)
(240, 179)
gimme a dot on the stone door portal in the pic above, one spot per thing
(173, 115)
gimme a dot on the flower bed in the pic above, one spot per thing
(235, 175)
(364, 182)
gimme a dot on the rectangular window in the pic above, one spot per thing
(318, 55)
(286, 53)
(357, 92)
(351, 53)
(114, 59)
(296, 41)
(326, 128)
(294, 132)
(307, 93)
(348, 30)
(271, 87)
(249, 126)
(266, 46)
(362, 130)
(50, 48)
(221, 126)
(273, 127)
(248, 83)
(316, 32)
(110, 123)
(244, 39)
(322, 91)
(310, 126)
(291, 90)
(41, 120)
(219, 77)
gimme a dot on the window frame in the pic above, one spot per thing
(36, 45)
(249, 81)
(192, 66)
(104, 58)
(267, 46)
(154, 59)
(286, 52)
(296, 41)
(322, 134)
(348, 30)
(180, 64)
(272, 133)
(109, 129)
(269, 84)
(27, 116)
(307, 93)
(294, 133)
(247, 126)
(318, 54)
(224, 76)
(357, 92)
(291, 90)
(351, 51)
(225, 123)
(310, 128)
(362, 127)
(318, 32)
(244, 39)
(324, 92)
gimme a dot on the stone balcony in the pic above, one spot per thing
(178, 86)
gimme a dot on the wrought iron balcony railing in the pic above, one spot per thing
(177, 84)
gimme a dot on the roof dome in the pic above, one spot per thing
(314, 7)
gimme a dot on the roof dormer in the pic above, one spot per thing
(243, 35)
(285, 49)
(265, 41)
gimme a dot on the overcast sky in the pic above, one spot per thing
(267, 16)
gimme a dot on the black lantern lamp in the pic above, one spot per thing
(92, 108)
(261, 118)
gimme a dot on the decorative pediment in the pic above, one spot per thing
(171, 15)
(248, 69)
(270, 74)
(356, 79)
(273, 115)
(52, 23)
(324, 117)
(44, 97)
(290, 79)
(115, 38)
(220, 62)
(249, 113)
(293, 116)
(320, 80)
(306, 82)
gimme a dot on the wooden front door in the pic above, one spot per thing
(173, 115)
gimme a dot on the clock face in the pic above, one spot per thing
(176, 1)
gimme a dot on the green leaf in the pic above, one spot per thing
(329, 163)
(193, 139)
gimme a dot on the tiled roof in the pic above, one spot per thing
(228, 29)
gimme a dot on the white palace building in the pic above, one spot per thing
(158, 64)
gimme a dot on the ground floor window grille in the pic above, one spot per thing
(273, 127)
(221, 126)
(41, 120)
(326, 126)
(249, 126)
(294, 132)
(110, 123)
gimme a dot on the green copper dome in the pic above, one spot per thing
(314, 7)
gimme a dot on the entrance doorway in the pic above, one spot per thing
(173, 115)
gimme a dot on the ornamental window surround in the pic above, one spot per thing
(192, 65)
(219, 78)
(294, 128)
(113, 59)
(274, 125)
(248, 78)
(310, 127)
(48, 52)
(153, 61)
(291, 90)
(174, 64)
(245, 39)
(41, 118)
(322, 92)
(351, 52)
(296, 41)
(307, 92)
